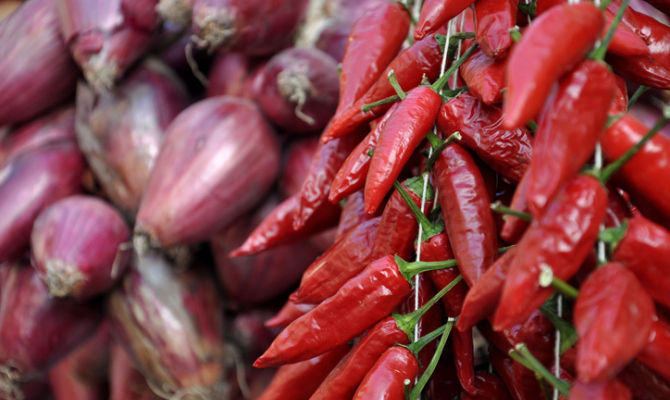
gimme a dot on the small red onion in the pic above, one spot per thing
(125, 381)
(36, 330)
(250, 333)
(298, 159)
(121, 131)
(228, 75)
(36, 71)
(31, 182)
(171, 323)
(105, 36)
(53, 127)
(298, 89)
(254, 27)
(76, 247)
(219, 157)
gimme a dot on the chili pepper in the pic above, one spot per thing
(466, 212)
(277, 228)
(520, 382)
(342, 261)
(620, 101)
(353, 214)
(357, 305)
(608, 390)
(444, 382)
(644, 383)
(423, 58)
(354, 170)
(645, 174)
(645, 250)
(613, 316)
(436, 13)
(569, 30)
(298, 381)
(373, 42)
(508, 151)
(577, 114)
(495, 18)
(289, 313)
(624, 42)
(655, 352)
(489, 387)
(560, 239)
(514, 227)
(315, 189)
(484, 76)
(430, 321)
(386, 378)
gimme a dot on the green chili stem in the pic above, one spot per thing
(599, 53)
(421, 383)
(604, 4)
(639, 92)
(437, 150)
(521, 353)
(409, 270)
(504, 249)
(503, 209)
(387, 100)
(547, 278)
(439, 84)
(427, 226)
(396, 86)
(533, 126)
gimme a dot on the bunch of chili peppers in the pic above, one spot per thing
(490, 141)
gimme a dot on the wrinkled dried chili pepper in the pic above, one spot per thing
(436, 13)
(495, 18)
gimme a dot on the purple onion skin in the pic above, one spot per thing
(105, 37)
(255, 279)
(298, 89)
(228, 75)
(249, 332)
(36, 330)
(76, 247)
(218, 159)
(31, 182)
(254, 27)
(121, 131)
(36, 71)
(125, 381)
(171, 324)
(298, 159)
(53, 127)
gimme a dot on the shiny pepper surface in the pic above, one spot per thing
(386, 378)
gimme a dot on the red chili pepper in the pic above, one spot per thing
(423, 58)
(495, 18)
(277, 228)
(644, 383)
(646, 173)
(561, 239)
(551, 45)
(506, 151)
(576, 114)
(357, 305)
(645, 250)
(608, 390)
(620, 101)
(386, 378)
(354, 170)
(520, 382)
(489, 387)
(613, 316)
(342, 261)
(373, 42)
(655, 353)
(353, 214)
(484, 76)
(624, 42)
(289, 313)
(466, 212)
(401, 135)
(483, 297)
(443, 384)
(514, 227)
(436, 13)
(537, 332)
(298, 381)
(342, 381)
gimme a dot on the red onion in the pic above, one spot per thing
(7, 7)
(31, 182)
(298, 159)
(36, 330)
(250, 333)
(105, 36)
(228, 75)
(254, 27)
(126, 382)
(298, 89)
(36, 71)
(76, 247)
(218, 159)
(171, 323)
(53, 127)
(120, 132)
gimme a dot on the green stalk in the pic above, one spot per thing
(428, 227)
(500, 208)
(387, 100)
(599, 53)
(521, 354)
(547, 278)
(421, 383)
(438, 149)
(396, 86)
(439, 84)
(639, 92)
(409, 270)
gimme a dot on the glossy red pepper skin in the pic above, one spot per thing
(357, 305)
(644, 383)
(576, 114)
(484, 76)
(561, 238)
(482, 298)
(342, 261)
(277, 228)
(385, 379)
(354, 170)
(608, 390)
(646, 173)
(342, 381)
(655, 352)
(514, 227)
(401, 135)
(289, 313)
(494, 20)
(489, 387)
(645, 250)
(551, 45)
(613, 316)
(373, 42)
(624, 42)
(521, 385)
(298, 381)
(507, 151)
(466, 212)
(353, 214)
(436, 13)
(410, 65)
